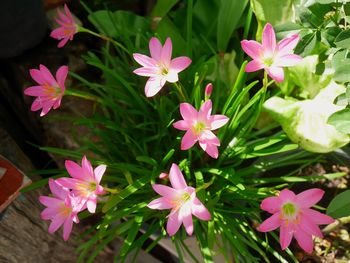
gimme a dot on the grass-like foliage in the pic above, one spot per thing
(134, 135)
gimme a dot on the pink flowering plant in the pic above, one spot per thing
(178, 143)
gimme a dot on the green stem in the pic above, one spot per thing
(79, 94)
(180, 91)
(111, 190)
(83, 29)
(206, 185)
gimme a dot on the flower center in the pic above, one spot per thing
(185, 197)
(65, 210)
(289, 210)
(51, 91)
(164, 70)
(198, 127)
(92, 187)
(268, 61)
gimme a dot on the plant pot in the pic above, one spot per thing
(11, 181)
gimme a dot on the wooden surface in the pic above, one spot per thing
(23, 235)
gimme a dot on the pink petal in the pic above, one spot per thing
(286, 45)
(70, 183)
(217, 121)
(45, 110)
(181, 125)
(57, 104)
(188, 112)
(188, 140)
(212, 150)
(87, 168)
(271, 204)
(166, 191)
(144, 60)
(99, 171)
(275, 73)
(34, 91)
(37, 104)
(147, 72)
(63, 42)
(289, 60)
(155, 48)
(272, 223)
(205, 110)
(57, 33)
(56, 223)
(317, 217)
(50, 201)
(46, 74)
(167, 51)
(48, 213)
(160, 204)
(61, 76)
(74, 170)
(153, 86)
(67, 228)
(254, 65)
(180, 63)
(286, 235)
(68, 13)
(57, 190)
(186, 215)
(269, 38)
(287, 196)
(310, 227)
(252, 48)
(309, 197)
(177, 180)
(304, 240)
(199, 210)
(37, 76)
(91, 204)
(174, 223)
(208, 137)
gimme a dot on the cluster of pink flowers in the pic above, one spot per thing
(291, 213)
(72, 195)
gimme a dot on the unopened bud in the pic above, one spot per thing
(163, 176)
(208, 91)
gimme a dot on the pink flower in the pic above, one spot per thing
(271, 56)
(49, 92)
(199, 127)
(182, 201)
(160, 67)
(293, 215)
(68, 27)
(85, 182)
(62, 209)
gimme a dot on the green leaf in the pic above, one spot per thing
(306, 45)
(340, 205)
(341, 100)
(341, 120)
(272, 11)
(230, 13)
(343, 39)
(119, 23)
(162, 7)
(166, 28)
(116, 199)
